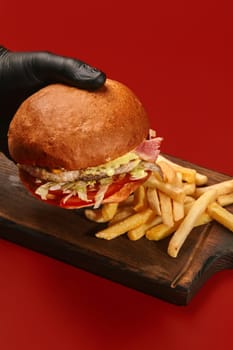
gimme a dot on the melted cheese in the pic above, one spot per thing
(110, 167)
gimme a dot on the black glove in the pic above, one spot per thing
(23, 73)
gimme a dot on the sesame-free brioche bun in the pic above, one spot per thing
(66, 127)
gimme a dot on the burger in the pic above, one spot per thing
(76, 148)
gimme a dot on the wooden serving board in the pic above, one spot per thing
(143, 265)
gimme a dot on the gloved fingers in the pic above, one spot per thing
(32, 70)
(50, 68)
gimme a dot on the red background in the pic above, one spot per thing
(177, 56)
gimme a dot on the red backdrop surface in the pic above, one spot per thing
(177, 56)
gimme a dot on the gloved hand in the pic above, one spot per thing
(23, 73)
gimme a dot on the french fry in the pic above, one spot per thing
(153, 200)
(94, 215)
(140, 201)
(140, 231)
(109, 210)
(172, 191)
(188, 174)
(222, 215)
(225, 199)
(201, 179)
(121, 214)
(178, 210)
(189, 188)
(188, 206)
(199, 207)
(125, 225)
(160, 231)
(166, 209)
(189, 199)
(178, 179)
(203, 219)
(104, 214)
(169, 174)
(223, 187)
(178, 207)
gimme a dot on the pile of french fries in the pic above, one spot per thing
(170, 203)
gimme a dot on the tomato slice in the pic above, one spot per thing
(56, 197)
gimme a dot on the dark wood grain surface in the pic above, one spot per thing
(143, 265)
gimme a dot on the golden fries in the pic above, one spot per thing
(109, 210)
(169, 173)
(140, 202)
(122, 213)
(172, 191)
(153, 200)
(188, 223)
(224, 187)
(104, 214)
(94, 215)
(189, 189)
(141, 230)
(221, 215)
(188, 175)
(166, 209)
(160, 231)
(225, 199)
(169, 203)
(201, 179)
(203, 219)
(125, 225)
(178, 210)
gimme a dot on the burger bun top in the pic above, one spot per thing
(65, 127)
